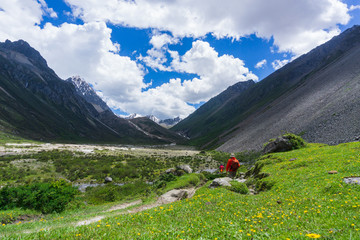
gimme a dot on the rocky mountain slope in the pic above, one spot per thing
(88, 93)
(170, 122)
(208, 119)
(166, 123)
(35, 103)
(146, 125)
(316, 96)
(155, 130)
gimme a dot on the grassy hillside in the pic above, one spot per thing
(305, 202)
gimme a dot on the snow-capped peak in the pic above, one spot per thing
(133, 115)
(153, 118)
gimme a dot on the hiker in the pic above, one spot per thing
(232, 166)
(222, 168)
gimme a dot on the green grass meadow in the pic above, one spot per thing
(305, 202)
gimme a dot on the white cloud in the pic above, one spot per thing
(87, 49)
(277, 64)
(261, 64)
(156, 56)
(159, 40)
(297, 26)
(157, 102)
(48, 10)
(215, 73)
(354, 7)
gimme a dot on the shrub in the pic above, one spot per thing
(264, 185)
(284, 143)
(238, 187)
(44, 197)
(163, 179)
(192, 179)
(112, 193)
(296, 141)
(255, 170)
(250, 182)
(212, 176)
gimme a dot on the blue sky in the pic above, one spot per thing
(166, 58)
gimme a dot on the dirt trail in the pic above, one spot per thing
(116, 207)
(169, 197)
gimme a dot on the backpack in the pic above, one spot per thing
(234, 165)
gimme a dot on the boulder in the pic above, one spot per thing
(170, 170)
(185, 168)
(218, 182)
(108, 179)
(280, 144)
(172, 196)
(284, 143)
(352, 180)
(240, 180)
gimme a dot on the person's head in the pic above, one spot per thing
(232, 155)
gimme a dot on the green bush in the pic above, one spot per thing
(250, 182)
(238, 187)
(188, 180)
(212, 176)
(44, 197)
(264, 185)
(112, 193)
(163, 179)
(296, 141)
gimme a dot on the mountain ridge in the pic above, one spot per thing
(37, 104)
(260, 97)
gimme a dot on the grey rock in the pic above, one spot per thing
(281, 144)
(240, 180)
(170, 170)
(218, 182)
(172, 196)
(185, 168)
(241, 174)
(108, 179)
(352, 180)
(225, 181)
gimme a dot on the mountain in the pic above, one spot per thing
(35, 103)
(153, 118)
(88, 93)
(133, 115)
(208, 118)
(154, 130)
(146, 125)
(168, 123)
(315, 96)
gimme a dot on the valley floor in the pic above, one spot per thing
(305, 197)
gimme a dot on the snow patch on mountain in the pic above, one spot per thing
(88, 93)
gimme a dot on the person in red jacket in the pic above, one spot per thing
(221, 168)
(232, 166)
